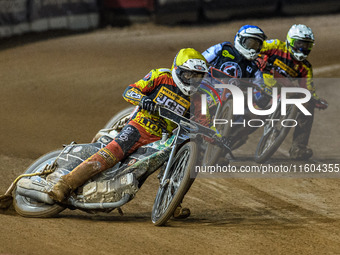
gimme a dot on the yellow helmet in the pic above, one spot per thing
(188, 70)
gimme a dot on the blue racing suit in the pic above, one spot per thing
(226, 58)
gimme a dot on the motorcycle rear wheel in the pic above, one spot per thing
(274, 136)
(27, 207)
(121, 116)
(170, 195)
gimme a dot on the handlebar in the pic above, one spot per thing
(193, 128)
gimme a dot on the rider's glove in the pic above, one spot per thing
(217, 133)
(147, 104)
(263, 64)
(321, 104)
(219, 139)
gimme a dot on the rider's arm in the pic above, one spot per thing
(211, 53)
(133, 95)
(306, 80)
(264, 81)
(258, 78)
(142, 88)
(270, 47)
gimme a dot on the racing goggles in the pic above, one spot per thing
(189, 77)
(303, 46)
(250, 43)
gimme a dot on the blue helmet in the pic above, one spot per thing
(248, 41)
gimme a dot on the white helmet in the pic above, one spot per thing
(248, 41)
(300, 41)
(188, 70)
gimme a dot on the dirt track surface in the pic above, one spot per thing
(57, 91)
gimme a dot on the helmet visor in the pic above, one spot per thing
(251, 43)
(190, 78)
(303, 46)
(192, 75)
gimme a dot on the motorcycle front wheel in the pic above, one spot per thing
(171, 193)
(274, 134)
(28, 207)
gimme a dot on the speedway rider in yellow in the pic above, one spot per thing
(171, 88)
(290, 57)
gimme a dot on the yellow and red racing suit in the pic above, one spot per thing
(143, 127)
(160, 87)
(278, 55)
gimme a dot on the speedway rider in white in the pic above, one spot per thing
(291, 57)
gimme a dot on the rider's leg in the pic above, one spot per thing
(299, 149)
(128, 140)
(97, 163)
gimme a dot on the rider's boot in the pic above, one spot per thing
(181, 213)
(85, 171)
(69, 182)
(300, 152)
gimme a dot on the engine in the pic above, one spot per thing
(107, 191)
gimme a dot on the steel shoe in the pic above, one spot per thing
(300, 152)
(181, 213)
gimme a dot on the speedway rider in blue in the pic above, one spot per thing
(238, 61)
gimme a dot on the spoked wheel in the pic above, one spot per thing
(274, 134)
(213, 152)
(119, 117)
(28, 207)
(171, 193)
(117, 122)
